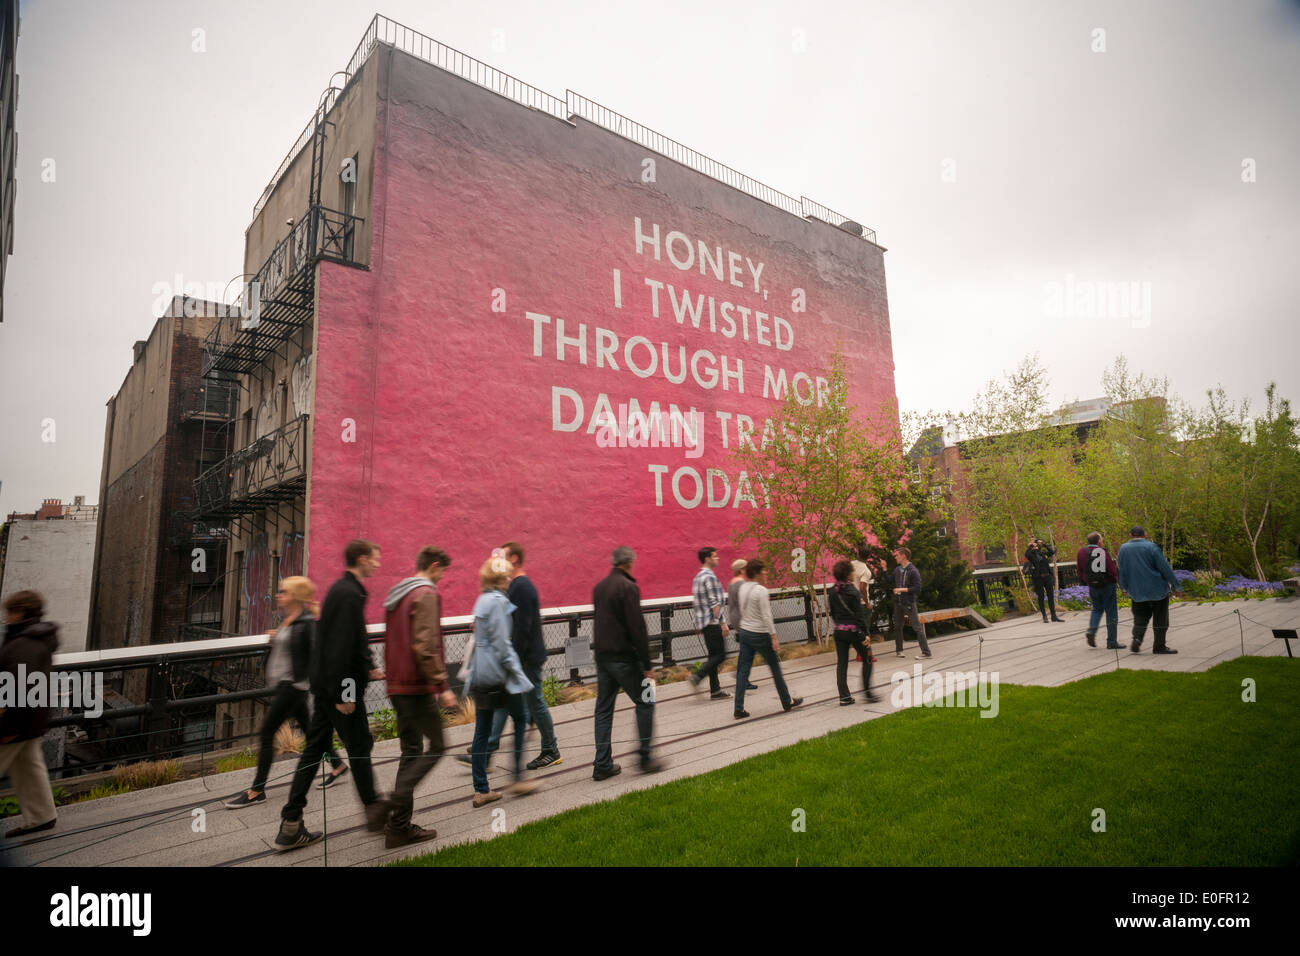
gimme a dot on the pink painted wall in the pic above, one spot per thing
(454, 439)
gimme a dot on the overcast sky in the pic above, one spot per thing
(1002, 157)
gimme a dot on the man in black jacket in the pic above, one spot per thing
(341, 666)
(1042, 572)
(622, 661)
(29, 644)
(907, 588)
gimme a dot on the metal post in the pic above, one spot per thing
(574, 679)
(666, 636)
(156, 721)
(982, 592)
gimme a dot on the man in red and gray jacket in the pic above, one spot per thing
(1098, 570)
(416, 669)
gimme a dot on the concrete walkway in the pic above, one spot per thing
(184, 824)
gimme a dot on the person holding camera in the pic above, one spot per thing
(1039, 560)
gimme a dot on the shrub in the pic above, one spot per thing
(551, 690)
(148, 773)
(991, 613)
(1239, 586)
(240, 761)
(383, 724)
(1023, 600)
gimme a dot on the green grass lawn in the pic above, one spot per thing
(1188, 774)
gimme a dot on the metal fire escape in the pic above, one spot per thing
(275, 305)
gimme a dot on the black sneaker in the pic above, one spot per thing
(1091, 638)
(411, 834)
(1116, 647)
(332, 778)
(846, 701)
(613, 771)
(293, 835)
(242, 799)
(377, 814)
(1163, 650)
(795, 702)
(545, 759)
(651, 765)
(751, 686)
(720, 695)
(1136, 647)
(468, 761)
(38, 828)
(741, 714)
(872, 698)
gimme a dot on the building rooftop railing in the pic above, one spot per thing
(382, 30)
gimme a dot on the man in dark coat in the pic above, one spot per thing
(340, 668)
(28, 648)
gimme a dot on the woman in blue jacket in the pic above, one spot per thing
(496, 679)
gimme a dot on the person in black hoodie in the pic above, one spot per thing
(287, 670)
(30, 643)
(847, 609)
(341, 666)
(1040, 559)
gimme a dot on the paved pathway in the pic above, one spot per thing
(158, 827)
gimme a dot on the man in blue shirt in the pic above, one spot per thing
(1147, 577)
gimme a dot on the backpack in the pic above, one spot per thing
(1097, 567)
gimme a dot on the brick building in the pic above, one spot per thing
(445, 264)
(51, 550)
(144, 589)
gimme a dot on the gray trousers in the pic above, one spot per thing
(905, 613)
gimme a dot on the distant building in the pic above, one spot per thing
(154, 447)
(8, 136)
(45, 552)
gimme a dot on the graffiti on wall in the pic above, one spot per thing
(291, 549)
(257, 587)
(300, 383)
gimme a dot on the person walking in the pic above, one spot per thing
(847, 609)
(1099, 571)
(417, 670)
(758, 636)
(528, 642)
(288, 672)
(28, 650)
(737, 581)
(622, 663)
(706, 591)
(862, 579)
(496, 679)
(907, 589)
(1149, 580)
(1039, 556)
(341, 665)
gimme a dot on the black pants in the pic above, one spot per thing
(1047, 602)
(288, 703)
(613, 675)
(844, 642)
(418, 719)
(354, 730)
(1146, 611)
(717, 648)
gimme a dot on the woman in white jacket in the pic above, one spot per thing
(496, 679)
(758, 636)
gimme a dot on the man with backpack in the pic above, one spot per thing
(1099, 571)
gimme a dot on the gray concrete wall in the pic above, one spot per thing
(55, 558)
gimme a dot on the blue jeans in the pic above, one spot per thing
(514, 706)
(534, 708)
(1105, 600)
(752, 643)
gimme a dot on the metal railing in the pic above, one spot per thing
(381, 30)
(272, 468)
(168, 694)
